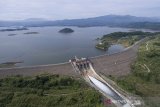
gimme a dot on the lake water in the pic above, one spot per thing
(50, 47)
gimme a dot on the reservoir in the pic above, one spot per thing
(48, 46)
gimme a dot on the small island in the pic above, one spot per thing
(9, 64)
(27, 33)
(12, 34)
(66, 30)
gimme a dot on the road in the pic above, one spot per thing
(147, 46)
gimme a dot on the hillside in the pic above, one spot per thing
(47, 91)
(145, 77)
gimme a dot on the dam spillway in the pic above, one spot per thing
(107, 90)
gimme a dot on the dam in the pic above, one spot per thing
(116, 64)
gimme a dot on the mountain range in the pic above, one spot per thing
(108, 20)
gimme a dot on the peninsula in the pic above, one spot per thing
(124, 38)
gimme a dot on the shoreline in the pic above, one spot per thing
(44, 65)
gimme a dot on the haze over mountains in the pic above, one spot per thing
(108, 20)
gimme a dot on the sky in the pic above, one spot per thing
(72, 9)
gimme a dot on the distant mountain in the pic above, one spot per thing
(144, 25)
(35, 19)
(108, 20)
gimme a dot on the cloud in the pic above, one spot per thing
(67, 9)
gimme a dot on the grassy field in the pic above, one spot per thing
(145, 77)
(47, 91)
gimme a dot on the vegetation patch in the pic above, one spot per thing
(103, 46)
(47, 91)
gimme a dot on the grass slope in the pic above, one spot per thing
(145, 77)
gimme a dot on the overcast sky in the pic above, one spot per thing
(70, 9)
